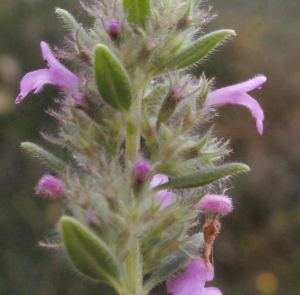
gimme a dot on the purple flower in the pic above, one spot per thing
(113, 28)
(215, 203)
(166, 198)
(141, 171)
(237, 94)
(55, 74)
(192, 280)
(51, 187)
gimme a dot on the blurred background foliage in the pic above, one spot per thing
(258, 249)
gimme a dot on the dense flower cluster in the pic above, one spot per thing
(142, 164)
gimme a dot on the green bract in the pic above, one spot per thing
(204, 177)
(137, 11)
(111, 78)
(51, 160)
(196, 51)
(88, 253)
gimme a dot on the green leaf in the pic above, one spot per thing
(112, 80)
(137, 11)
(51, 160)
(83, 38)
(175, 262)
(196, 51)
(88, 253)
(203, 177)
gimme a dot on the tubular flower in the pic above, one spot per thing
(55, 74)
(192, 280)
(237, 94)
(215, 203)
(166, 197)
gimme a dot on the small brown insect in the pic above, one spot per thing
(210, 230)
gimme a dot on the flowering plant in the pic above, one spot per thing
(143, 163)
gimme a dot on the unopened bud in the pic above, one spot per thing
(80, 98)
(177, 91)
(113, 28)
(215, 203)
(92, 218)
(169, 104)
(141, 171)
(51, 187)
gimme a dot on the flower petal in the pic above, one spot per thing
(190, 282)
(158, 179)
(209, 276)
(59, 75)
(166, 198)
(211, 291)
(245, 86)
(236, 94)
(215, 203)
(55, 74)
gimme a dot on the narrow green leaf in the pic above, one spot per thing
(175, 262)
(196, 51)
(84, 39)
(51, 160)
(203, 177)
(138, 10)
(88, 253)
(112, 80)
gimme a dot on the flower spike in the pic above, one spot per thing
(55, 74)
(237, 94)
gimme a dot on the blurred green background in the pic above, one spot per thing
(258, 250)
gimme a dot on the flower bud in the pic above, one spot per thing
(215, 203)
(141, 171)
(170, 104)
(51, 187)
(92, 218)
(176, 90)
(80, 98)
(113, 28)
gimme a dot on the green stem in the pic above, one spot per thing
(132, 139)
(133, 131)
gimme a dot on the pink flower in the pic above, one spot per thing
(51, 187)
(166, 197)
(55, 74)
(237, 94)
(215, 203)
(141, 171)
(192, 280)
